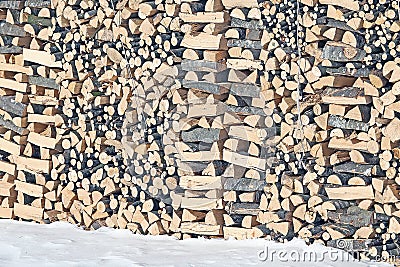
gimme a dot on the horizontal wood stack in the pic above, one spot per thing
(204, 118)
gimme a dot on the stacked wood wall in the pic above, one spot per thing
(182, 118)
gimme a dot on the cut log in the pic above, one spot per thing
(350, 192)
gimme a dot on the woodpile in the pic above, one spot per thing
(218, 118)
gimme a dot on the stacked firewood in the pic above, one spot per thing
(29, 107)
(216, 118)
(101, 59)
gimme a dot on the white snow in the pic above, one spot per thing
(62, 244)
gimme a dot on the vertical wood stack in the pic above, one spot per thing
(204, 118)
(29, 104)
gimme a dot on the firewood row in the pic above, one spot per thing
(218, 118)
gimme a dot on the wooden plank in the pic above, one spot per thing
(202, 65)
(243, 89)
(205, 17)
(342, 53)
(197, 182)
(245, 44)
(10, 147)
(349, 4)
(210, 110)
(13, 85)
(350, 192)
(243, 160)
(253, 24)
(44, 82)
(345, 96)
(342, 123)
(212, 88)
(31, 164)
(41, 57)
(10, 50)
(239, 4)
(242, 233)
(244, 184)
(41, 118)
(7, 167)
(6, 189)
(200, 228)
(16, 68)
(12, 4)
(203, 135)
(11, 30)
(201, 156)
(42, 141)
(204, 41)
(28, 212)
(33, 190)
(247, 133)
(6, 213)
(201, 203)
(8, 104)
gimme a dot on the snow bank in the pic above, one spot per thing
(62, 244)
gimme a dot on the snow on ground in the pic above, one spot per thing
(62, 244)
